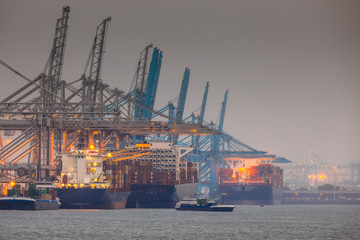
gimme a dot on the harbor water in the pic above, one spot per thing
(246, 222)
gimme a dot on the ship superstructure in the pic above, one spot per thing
(82, 183)
(82, 168)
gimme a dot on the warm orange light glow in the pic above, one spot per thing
(23, 155)
(109, 155)
(19, 147)
(234, 176)
(12, 183)
(133, 156)
(92, 147)
(145, 145)
(194, 130)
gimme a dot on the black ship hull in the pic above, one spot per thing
(15, 203)
(251, 194)
(87, 198)
(159, 196)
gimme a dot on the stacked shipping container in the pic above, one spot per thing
(260, 174)
(123, 174)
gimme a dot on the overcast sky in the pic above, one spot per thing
(292, 67)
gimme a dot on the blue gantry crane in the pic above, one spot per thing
(151, 85)
(137, 89)
(209, 151)
(142, 94)
(182, 99)
(176, 113)
(182, 96)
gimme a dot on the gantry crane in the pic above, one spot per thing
(51, 115)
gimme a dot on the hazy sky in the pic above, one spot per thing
(292, 67)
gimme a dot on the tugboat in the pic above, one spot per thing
(201, 204)
(40, 196)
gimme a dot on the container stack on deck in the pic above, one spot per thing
(268, 173)
(123, 174)
(259, 174)
(188, 172)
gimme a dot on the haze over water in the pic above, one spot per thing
(246, 222)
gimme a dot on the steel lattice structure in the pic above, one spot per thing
(49, 115)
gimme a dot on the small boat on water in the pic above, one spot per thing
(40, 196)
(201, 204)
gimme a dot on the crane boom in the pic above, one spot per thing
(182, 96)
(202, 113)
(56, 58)
(97, 54)
(152, 83)
(139, 80)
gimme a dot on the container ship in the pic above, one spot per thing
(156, 174)
(81, 183)
(254, 185)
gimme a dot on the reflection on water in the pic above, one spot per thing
(246, 222)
